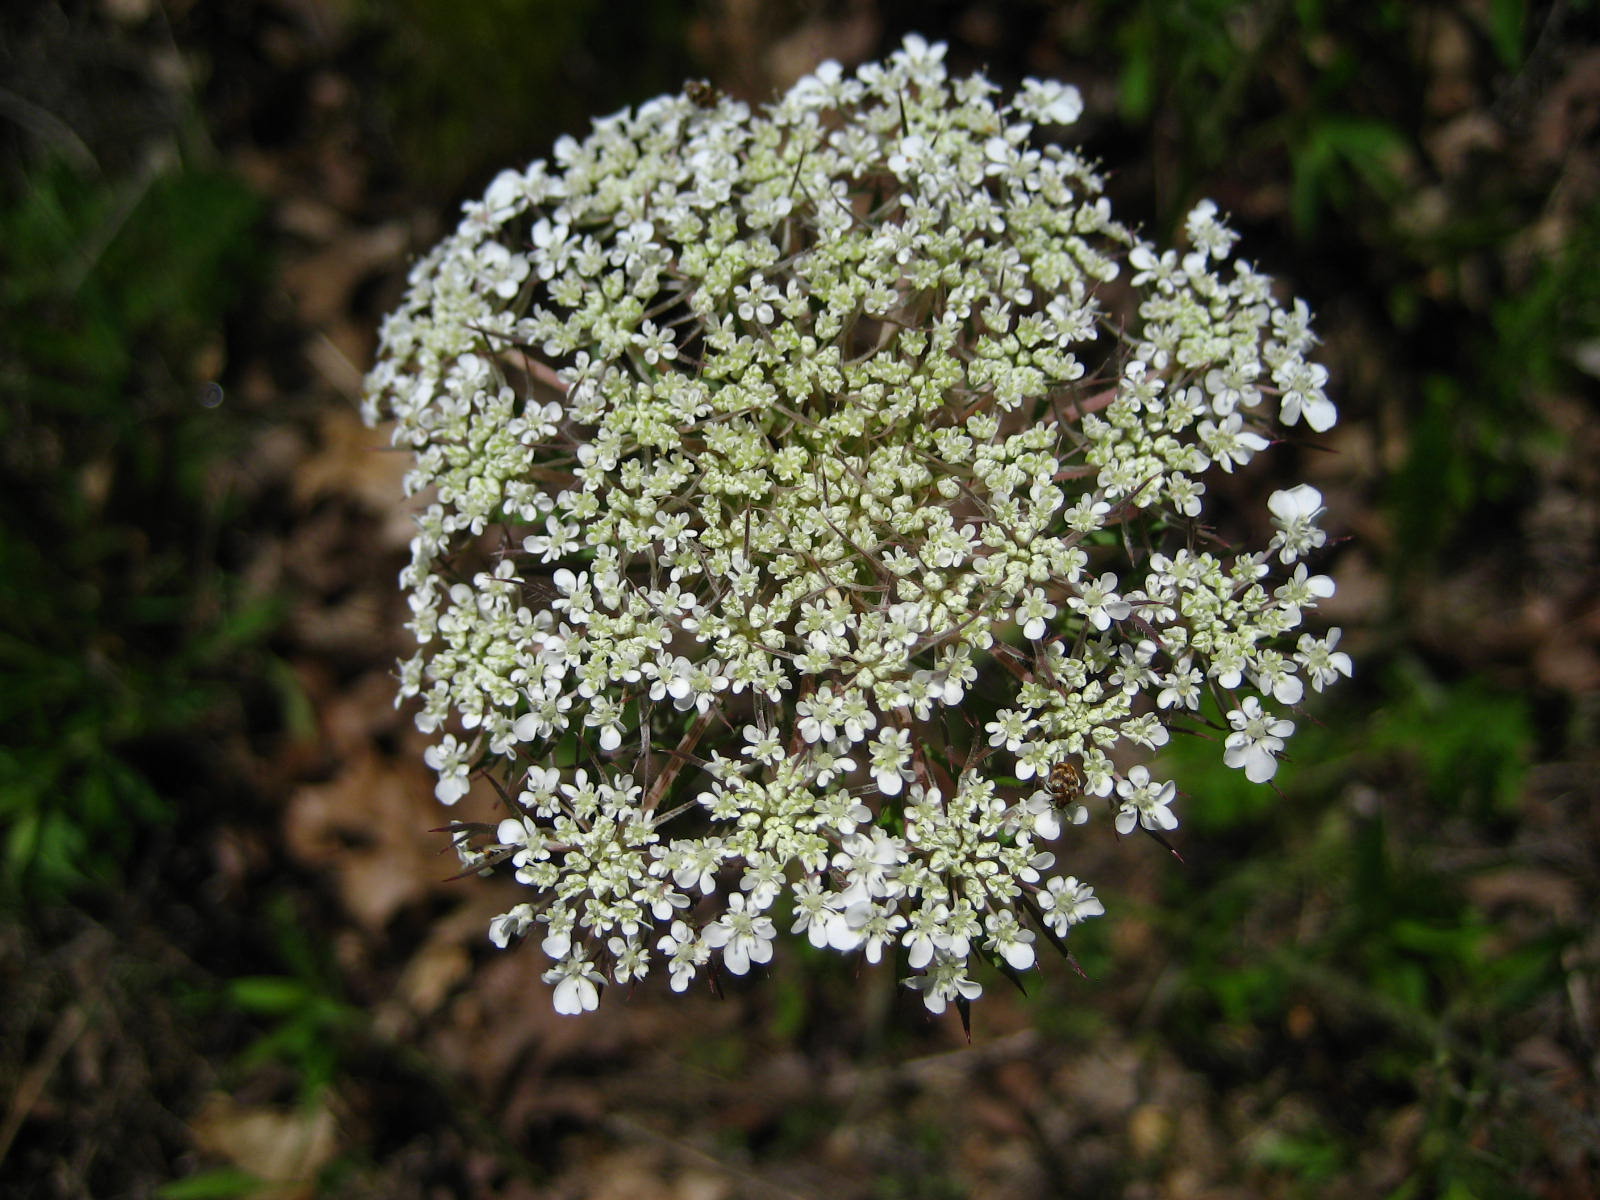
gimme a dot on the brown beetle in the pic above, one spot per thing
(701, 93)
(1065, 781)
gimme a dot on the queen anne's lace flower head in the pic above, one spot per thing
(814, 517)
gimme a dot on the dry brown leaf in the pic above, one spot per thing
(334, 355)
(1149, 1130)
(352, 716)
(286, 1147)
(353, 461)
(323, 282)
(432, 974)
(369, 826)
(1542, 891)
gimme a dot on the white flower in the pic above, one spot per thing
(1048, 101)
(577, 986)
(770, 477)
(1303, 395)
(1295, 511)
(1323, 664)
(946, 980)
(873, 927)
(755, 300)
(1181, 687)
(510, 925)
(744, 936)
(924, 57)
(1099, 603)
(1065, 902)
(872, 862)
(686, 952)
(1302, 590)
(558, 541)
(812, 913)
(501, 270)
(1040, 816)
(1008, 729)
(818, 716)
(926, 923)
(1274, 675)
(1009, 940)
(449, 759)
(1144, 802)
(696, 865)
(1229, 442)
(764, 745)
(1256, 741)
(1208, 235)
(890, 754)
(1035, 611)
(655, 344)
(631, 960)
(912, 152)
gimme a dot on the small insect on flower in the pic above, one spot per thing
(702, 94)
(1065, 782)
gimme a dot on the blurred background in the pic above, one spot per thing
(229, 961)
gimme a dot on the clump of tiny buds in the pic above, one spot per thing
(815, 519)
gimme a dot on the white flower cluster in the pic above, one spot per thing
(815, 521)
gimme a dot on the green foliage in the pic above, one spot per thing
(1414, 992)
(1313, 1156)
(1149, 42)
(1411, 987)
(223, 1183)
(115, 629)
(1333, 157)
(1336, 98)
(1472, 741)
(1554, 311)
(1476, 430)
(470, 87)
(310, 1029)
(1506, 21)
(1216, 796)
(1213, 66)
(1438, 484)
